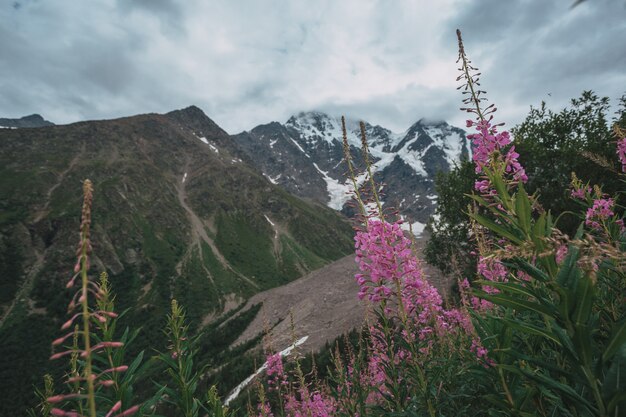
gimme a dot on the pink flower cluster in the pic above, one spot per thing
(621, 152)
(301, 403)
(387, 262)
(484, 144)
(601, 210)
(416, 326)
(385, 258)
(561, 253)
(275, 372)
(491, 270)
(580, 193)
(310, 404)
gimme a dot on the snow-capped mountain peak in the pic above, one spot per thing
(305, 156)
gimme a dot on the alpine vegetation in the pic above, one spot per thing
(539, 329)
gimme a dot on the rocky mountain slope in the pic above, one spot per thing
(34, 120)
(177, 213)
(324, 305)
(304, 155)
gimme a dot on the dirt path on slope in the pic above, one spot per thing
(40, 214)
(22, 294)
(199, 234)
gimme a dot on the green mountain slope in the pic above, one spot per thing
(177, 213)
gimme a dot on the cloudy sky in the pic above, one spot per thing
(250, 62)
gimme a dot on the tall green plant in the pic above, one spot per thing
(88, 382)
(183, 394)
(556, 329)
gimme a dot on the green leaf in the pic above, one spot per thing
(496, 228)
(517, 304)
(569, 271)
(566, 342)
(539, 229)
(492, 208)
(585, 296)
(614, 384)
(554, 385)
(530, 269)
(502, 191)
(522, 208)
(617, 340)
(135, 364)
(509, 287)
(147, 406)
(531, 329)
(582, 342)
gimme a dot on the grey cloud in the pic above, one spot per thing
(546, 47)
(251, 62)
(170, 13)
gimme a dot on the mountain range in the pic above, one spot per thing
(183, 209)
(305, 156)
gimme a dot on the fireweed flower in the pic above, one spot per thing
(84, 384)
(601, 211)
(580, 193)
(561, 253)
(275, 371)
(487, 145)
(385, 258)
(310, 404)
(579, 190)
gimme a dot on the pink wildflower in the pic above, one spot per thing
(116, 407)
(384, 256)
(561, 253)
(492, 270)
(580, 193)
(265, 410)
(601, 210)
(275, 371)
(485, 143)
(129, 412)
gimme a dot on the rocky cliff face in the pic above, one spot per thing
(305, 156)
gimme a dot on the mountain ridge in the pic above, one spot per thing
(33, 120)
(176, 213)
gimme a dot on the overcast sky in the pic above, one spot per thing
(251, 62)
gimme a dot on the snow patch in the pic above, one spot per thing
(450, 142)
(213, 148)
(203, 139)
(8, 127)
(338, 193)
(273, 226)
(272, 180)
(300, 147)
(184, 177)
(417, 227)
(414, 160)
(235, 392)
